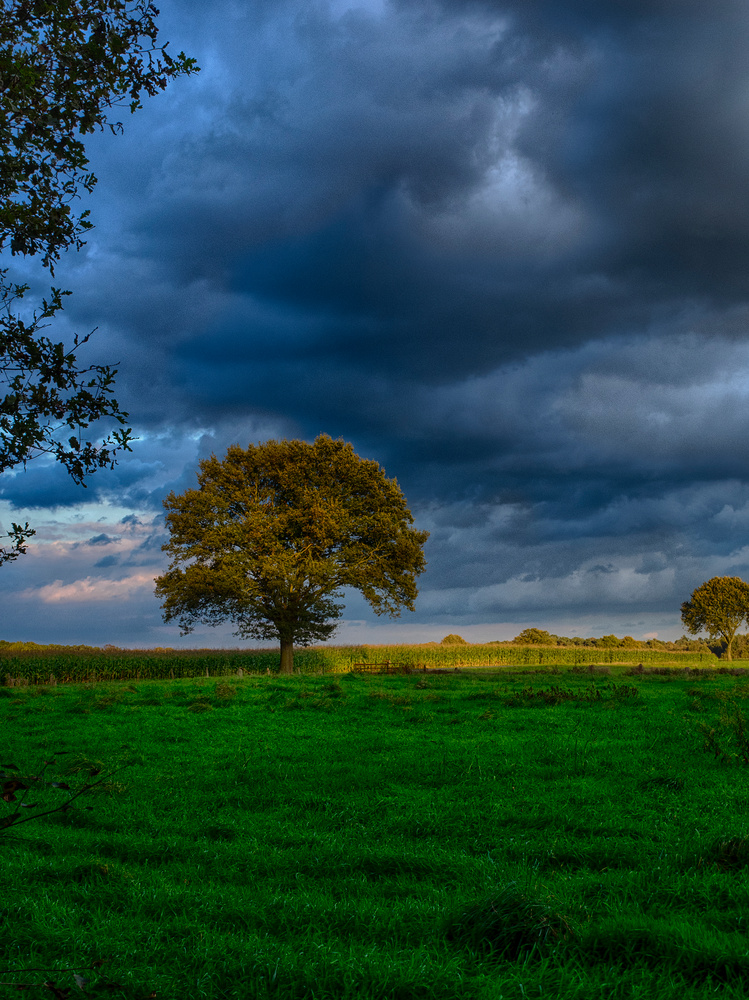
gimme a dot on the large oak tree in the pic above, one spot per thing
(275, 532)
(717, 607)
(64, 65)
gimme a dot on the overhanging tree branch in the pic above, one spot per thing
(63, 66)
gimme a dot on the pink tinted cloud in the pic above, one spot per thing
(91, 588)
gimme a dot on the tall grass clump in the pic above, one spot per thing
(509, 924)
(728, 738)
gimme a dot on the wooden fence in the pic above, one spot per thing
(387, 667)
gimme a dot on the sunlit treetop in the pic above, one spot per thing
(275, 532)
(717, 607)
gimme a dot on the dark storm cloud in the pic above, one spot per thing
(370, 190)
(42, 486)
(48, 486)
(102, 539)
(107, 562)
(519, 180)
(335, 192)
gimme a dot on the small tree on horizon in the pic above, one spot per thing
(717, 607)
(608, 641)
(535, 637)
(629, 642)
(274, 532)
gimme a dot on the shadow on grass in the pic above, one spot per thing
(657, 944)
(508, 925)
(726, 854)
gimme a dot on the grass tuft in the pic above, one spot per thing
(728, 854)
(509, 925)
(224, 691)
(200, 705)
(667, 783)
(728, 740)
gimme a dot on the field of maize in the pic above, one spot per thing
(60, 665)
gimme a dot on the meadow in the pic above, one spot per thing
(562, 831)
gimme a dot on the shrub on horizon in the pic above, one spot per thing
(535, 637)
(608, 641)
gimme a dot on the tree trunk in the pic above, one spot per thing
(287, 656)
(728, 654)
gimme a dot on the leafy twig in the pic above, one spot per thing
(10, 787)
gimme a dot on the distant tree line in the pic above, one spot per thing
(540, 637)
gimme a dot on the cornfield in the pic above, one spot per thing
(61, 665)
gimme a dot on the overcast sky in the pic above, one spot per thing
(501, 247)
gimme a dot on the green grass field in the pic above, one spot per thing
(483, 835)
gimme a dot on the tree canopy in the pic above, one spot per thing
(275, 532)
(63, 65)
(717, 607)
(535, 637)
